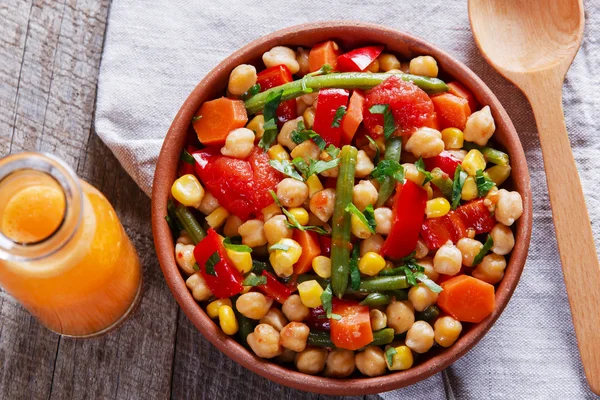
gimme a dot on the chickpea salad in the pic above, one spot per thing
(342, 211)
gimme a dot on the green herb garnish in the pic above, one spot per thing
(354, 272)
(420, 164)
(314, 167)
(489, 243)
(333, 151)
(484, 184)
(337, 118)
(391, 168)
(301, 134)
(196, 267)
(269, 113)
(241, 248)
(389, 355)
(251, 92)
(196, 118)
(368, 222)
(213, 260)
(286, 168)
(253, 280)
(326, 298)
(279, 246)
(460, 176)
(389, 124)
(377, 151)
(186, 157)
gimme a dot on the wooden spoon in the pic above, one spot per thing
(532, 43)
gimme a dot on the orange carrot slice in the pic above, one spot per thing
(310, 249)
(467, 299)
(353, 117)
(218, 118)
(323, 53)
(452, 111)
(459, 90)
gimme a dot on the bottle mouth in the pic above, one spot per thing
(64, 179)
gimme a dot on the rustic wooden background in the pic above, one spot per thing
(50, 52)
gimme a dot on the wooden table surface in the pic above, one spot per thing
(50, 52)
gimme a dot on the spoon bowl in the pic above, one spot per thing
(532, 43)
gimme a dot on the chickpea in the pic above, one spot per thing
(198, 287)
(283, 261)
(308, 150)
(241, 79)
(311, 361)
(364, 165)
(448, 259)
(184, 238)
(292, 193)
(264, 341)
(293, 336)
(231, 226)
(281, 55)
(208, 204)
(383, 219)
(253, 233)
(309, 116)
(378, 319)
(388, 61)
(427, 264)
(503, 238)
(509, 207)
(276, 229)
(184, 256)
(287, 356)
(446, 331)
(294, 310)
(469, 248)
(364, 194)
(321, 204)
(400, 316)
(331, 172)
(421, 297)
(275, 318)
(425, 142)
(302, 59)
(422, 250)
(284, 137)
(340, 363)
(491, 269)
(373, 243)
(419, 337)
(309, 98)
(480, 126)
(253, 305)
(239, 143)
(373, 67)
(270, 211)
(371, 362)
(412, 174)
(424, 66)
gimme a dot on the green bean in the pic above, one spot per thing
(383, 336)
(392, 271)
(310, 277)
(376, 299)
(349, 80)
(393, 148)
(245, 324)
(429, 314)
(320, 339)
(399, 295)
(189, 223)
(340, 236)
(381, 284)
(491, 155)
(442, 181)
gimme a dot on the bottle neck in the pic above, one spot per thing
(38, 171)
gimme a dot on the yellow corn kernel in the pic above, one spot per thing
(212, 309)
(429, 190)
(371, 263)
(277, 152)
(453, 138)
(270, 211)
(469, 190)
(498, 173)
(283, 260)
(314, 185)
(188, 191)
(227, 320)
(473, 161)
(403, 359)
(412, 174)
(301, 215)
(310, 293)
(217, 218)
(257, 125)
(374, 66)
(322, 266)
(242, 260)
(359, 229)
(437, 207)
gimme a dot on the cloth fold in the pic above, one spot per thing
(156, 51)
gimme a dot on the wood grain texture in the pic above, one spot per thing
(535, 51)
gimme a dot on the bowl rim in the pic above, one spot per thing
(166, 170)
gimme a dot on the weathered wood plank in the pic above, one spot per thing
(201, 371)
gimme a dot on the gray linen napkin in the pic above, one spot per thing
(156, 51)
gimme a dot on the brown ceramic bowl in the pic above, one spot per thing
(349, 35)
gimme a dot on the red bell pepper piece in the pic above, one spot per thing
(407, 218)
(328, 102)
(445, 161)
(273, 77)
(435, 232)
(275, 289)
(456, 226)
(325, 242)
(317, 319)
(477, 216)
(227, 280)
(353, 330)
(459, 90)
(359, 59)
(241, 186)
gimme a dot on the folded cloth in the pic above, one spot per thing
(156, 51)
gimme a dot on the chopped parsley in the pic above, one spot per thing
(279, 246)
(389, 124)
(391, 168)
(420, 164)
(240, 248)
(269, 113)
(213, 260)
(354, 271)
(196, 118)
(337, 118)
(368, 221)
(326, 298)
(251, 92)
(253, 280)
(489, 243)
(301, 134)
(389, 355)
(484, 183)
(377, 150)
(186, 157)
(333, 151)
(314, 167)
(286, 168)
(460, 176)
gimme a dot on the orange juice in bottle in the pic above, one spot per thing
(63, 252)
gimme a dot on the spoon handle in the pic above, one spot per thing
(572, 223)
